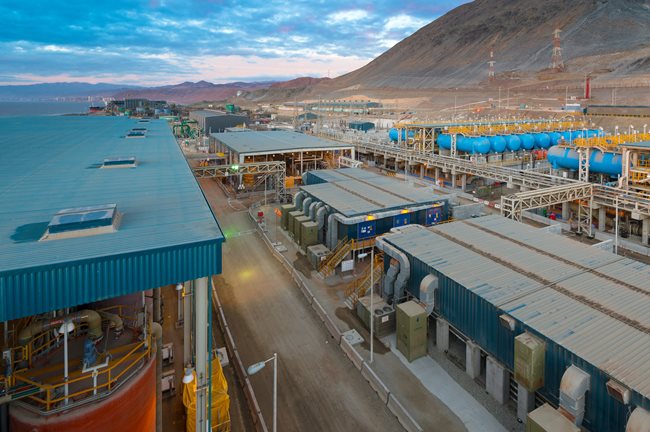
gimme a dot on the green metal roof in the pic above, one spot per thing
(166, 233)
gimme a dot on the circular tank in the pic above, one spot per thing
(443, 140)
(465, 144)
(513, 142)
(527, 141)
(393, 134)
(599, 162)
(555, 137)
(132, 407)
(542, 140)
(570, 136)
(497, 144)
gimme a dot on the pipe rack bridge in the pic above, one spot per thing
(275, 169)
(536, 187)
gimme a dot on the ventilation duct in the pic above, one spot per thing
(639, 421)
(404, 266)
(573, 388)
(305, 205)
(297, 200)
(428, 288)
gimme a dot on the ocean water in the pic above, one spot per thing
(42, 108)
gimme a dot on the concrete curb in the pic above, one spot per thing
(352, 354)
(320, 311)
(375, 382)
(402, 415)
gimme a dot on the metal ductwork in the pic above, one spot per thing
(90, 317)
(573, 388)
(305, 205)
(115, 321)
(404, 266)
(320, 219)
(428, 288)
(389, 280)
(157, 333)
(312, 210)
(297, 199)
(331, 232)
(639, 421)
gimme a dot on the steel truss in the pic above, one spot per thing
(275, 169)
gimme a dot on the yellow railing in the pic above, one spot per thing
(500, 129)
(611, 141)
(362, 244)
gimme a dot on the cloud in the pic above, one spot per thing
(176, 40)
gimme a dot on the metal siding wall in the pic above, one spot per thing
(40, 290)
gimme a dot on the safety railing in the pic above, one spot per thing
(611, 141)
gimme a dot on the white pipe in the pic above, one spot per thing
(65, 360)
(275, 392)
(404, 265)
(305, 205)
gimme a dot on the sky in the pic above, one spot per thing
(158, 42)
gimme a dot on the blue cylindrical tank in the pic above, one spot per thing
(555, 137)
(444, 141)
(513, 142)
(527, 141)
(480, 145)
(542, 140)
(393, 134)
(497, 144)
(570, 136)
(599, 162)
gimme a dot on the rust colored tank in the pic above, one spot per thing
(131, 408)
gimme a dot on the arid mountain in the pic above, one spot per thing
(607, 37)
(298, 83)
(189, 92)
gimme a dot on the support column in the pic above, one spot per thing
(602, 218)
(442, 335)
(525, 402)
(463, 182)
(157, 305)
(496, 380)
(453, 180)
(645, 231)
(421, 171)
(187, 324)
(201, 344)
(565, 211)
(472, 359)
(437, 175)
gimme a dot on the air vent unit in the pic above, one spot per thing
(83, 221)
(139, 129)
(135, 134)
(618, 391)
(119, 162)
(507, 321)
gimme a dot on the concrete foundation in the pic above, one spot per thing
(442, 335)
(525, 402)
(496, 380)
(472, 359)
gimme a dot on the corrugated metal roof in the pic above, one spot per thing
(355, 192)
(167, 232)
(589, 301)
(275, 141)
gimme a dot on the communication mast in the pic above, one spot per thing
(491, 64)
(556, 60)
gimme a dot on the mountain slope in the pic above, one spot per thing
(189, 92)
(454, 49)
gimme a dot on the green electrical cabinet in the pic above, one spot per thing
(309, 234)
(297, 227)
(411, 330)
(291, 219)
(286, 209)
(529, 361)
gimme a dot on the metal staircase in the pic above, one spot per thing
(340, 251)
(360, 286)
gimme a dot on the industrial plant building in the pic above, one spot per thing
(94, 224)
(211, 121)
(300, 152)
(536, 318)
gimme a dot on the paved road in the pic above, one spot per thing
(319, 389)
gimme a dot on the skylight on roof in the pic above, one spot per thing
(83, 221)
(135, 134)
(120, 162)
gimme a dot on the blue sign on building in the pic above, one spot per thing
(402, 219)
(366, 229)
(434, 215)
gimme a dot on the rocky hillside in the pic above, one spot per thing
(608, 37)
(189, 92)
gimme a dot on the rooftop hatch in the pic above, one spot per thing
(120, 162)
(83, 221)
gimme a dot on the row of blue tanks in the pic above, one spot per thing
(559, 157)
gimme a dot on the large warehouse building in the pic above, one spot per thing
(91, 221)
(301, 152)
(211, 121)
(536, 316)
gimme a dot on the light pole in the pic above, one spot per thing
(66, 328)
(372, 297)
(255, 368)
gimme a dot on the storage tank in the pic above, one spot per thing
(527, 141)
(465, 144)
(393, 134)
(497, 144)
(555, 138)
(599, 162)
(542, 140)
(513, 143)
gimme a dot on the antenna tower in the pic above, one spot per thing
(556, 60)
(491, 64)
